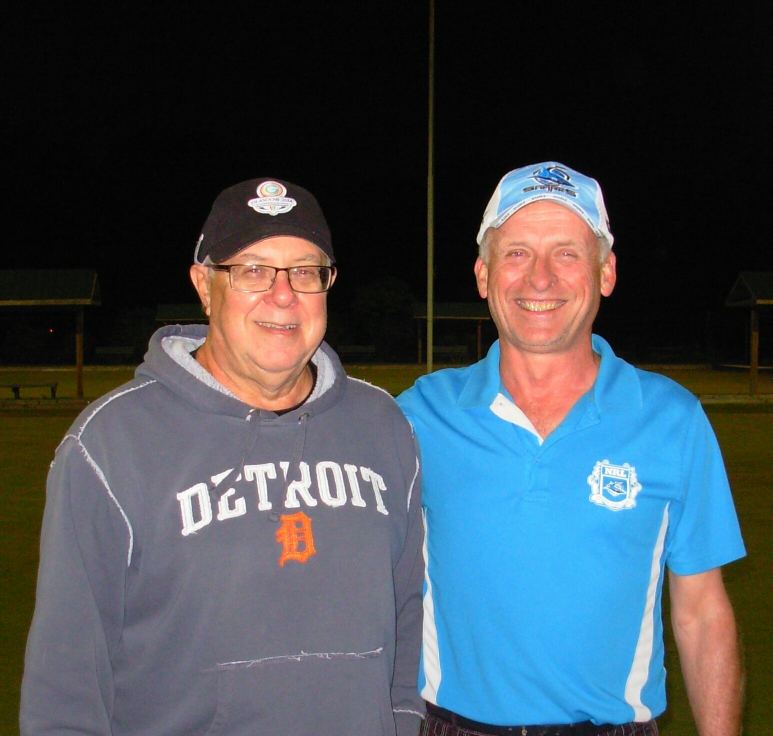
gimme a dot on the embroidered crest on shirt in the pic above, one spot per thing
(614, 486)
(296, 538)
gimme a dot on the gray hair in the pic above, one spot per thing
(484, 249)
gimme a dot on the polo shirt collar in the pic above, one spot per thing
(483, 383)
(616, 389)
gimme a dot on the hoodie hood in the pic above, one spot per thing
(168, 361)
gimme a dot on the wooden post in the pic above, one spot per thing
(79, 352)
(754, 357)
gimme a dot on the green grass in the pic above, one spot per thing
(392, 378)
(27, 445)
(96, 380)
(718, 381)
(746, 439)
(28, 440)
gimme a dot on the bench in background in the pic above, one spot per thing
(16, 387)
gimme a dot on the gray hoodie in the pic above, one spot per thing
(210, 568)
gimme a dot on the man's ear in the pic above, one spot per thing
(200, 278)
(608, 274)
(481, 277)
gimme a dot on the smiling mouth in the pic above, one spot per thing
(275, 326)
(539, 306)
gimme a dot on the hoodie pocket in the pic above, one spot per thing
(322, 694)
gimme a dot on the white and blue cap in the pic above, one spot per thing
(552, 182)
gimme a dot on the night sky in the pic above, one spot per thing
(121, 122)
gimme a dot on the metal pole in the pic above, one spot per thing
(754, 361)
(431, 194)
(79, 352)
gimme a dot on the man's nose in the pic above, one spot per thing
(281, 292)
(541, 274)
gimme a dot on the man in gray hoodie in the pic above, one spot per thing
(232, 540)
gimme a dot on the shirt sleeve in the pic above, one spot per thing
(407, 705)
(85, 541)
(703, 531)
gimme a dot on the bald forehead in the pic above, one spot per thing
(543, 224)
(545, 221)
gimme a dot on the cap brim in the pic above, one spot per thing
(234, 244)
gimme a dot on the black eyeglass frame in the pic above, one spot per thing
(228, 268)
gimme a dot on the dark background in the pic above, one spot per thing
(121, 122)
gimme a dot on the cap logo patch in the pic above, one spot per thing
(271, 199)
(614, 486)
(552, 179)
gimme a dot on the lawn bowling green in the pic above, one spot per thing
(29, 436)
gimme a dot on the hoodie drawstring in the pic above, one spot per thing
(250, 443)
(295, 456)
(253, 435)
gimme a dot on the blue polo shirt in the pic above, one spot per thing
(545, 560)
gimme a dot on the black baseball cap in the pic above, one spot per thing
(258, 209)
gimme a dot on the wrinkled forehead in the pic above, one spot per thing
(546, 219)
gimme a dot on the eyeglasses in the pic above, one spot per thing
(255, 277)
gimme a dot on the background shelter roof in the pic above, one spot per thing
(69, 289)
(44, 288)
(751, 289)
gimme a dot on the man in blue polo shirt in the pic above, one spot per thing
(560, 483)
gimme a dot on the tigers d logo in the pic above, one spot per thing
(614, 486)
(296, 538)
